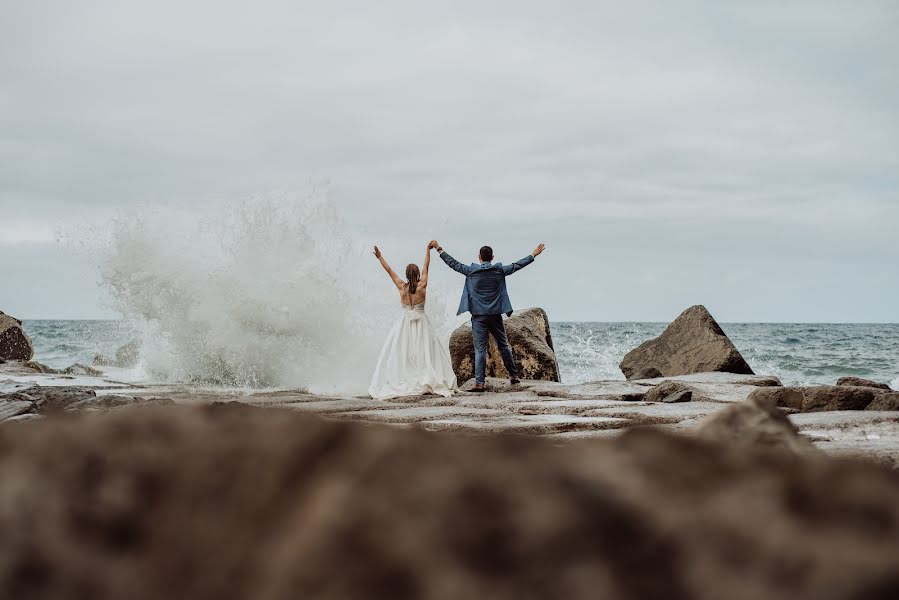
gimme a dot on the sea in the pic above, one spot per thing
(797, 353)
(277, 291)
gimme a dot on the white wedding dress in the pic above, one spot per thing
(413, 361)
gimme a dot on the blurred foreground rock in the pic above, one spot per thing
(692, 343)
(531, 342)
(230, 502)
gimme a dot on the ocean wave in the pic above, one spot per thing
(271, 292)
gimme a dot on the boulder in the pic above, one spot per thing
(884, 401)
(125, 357)
(79, 369)
(50, 399)
(817, 398)
(860, 382)
(647, 373)
(756, 422)
(665, 389)
(692, 343)
(128, 355)
(681, 396)
(14, 342)
(532, 345)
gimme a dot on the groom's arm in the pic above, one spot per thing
(520, 264)
(454, 264)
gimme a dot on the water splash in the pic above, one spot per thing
(895, 384)
(272, 292)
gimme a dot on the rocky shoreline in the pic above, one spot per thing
(671, 484)
(689, 386)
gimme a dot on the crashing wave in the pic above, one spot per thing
(271, 292)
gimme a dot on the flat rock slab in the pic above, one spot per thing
(660, 412)
(527, 424)
(731, 378)
(14, 408)
(415, 414)
(842, 419)
(495, 401)
(565, 407)
(721, 392)
(607, 390)
(341, 405)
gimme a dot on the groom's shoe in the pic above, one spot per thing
(479, 387)
(514, 381)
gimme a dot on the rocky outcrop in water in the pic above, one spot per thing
(692, 343)
(531, 341)
(14, 342)
(126, 356)
(172, 503)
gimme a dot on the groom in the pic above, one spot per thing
(486, 298)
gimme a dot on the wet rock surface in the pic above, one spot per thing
(231, 501)
(532, 346)
(692, 343)
(14, 342)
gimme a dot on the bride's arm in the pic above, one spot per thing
(396, 280)
(423, 282)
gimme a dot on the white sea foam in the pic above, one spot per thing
(895, 384)
(272, 292)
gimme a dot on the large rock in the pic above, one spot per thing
(231, 502)
(817, 398)
(884, 401)
(860, 382)
(14, 342)
(756, 422)
(531, 342)
(692, 343)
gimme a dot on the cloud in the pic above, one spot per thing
(700, 135)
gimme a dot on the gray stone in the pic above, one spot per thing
(860, 382)
(14, 342)
(680, 396)
(532, 346)
(817, 398)
(884, 401)
(665, 389)
(646, 373)
(692, 343)
(79, 369)
(13, 408)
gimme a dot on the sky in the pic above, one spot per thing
(741, 155)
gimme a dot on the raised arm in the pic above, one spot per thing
(451, 262)
(423, 282)
(520, 264)
(396, 280)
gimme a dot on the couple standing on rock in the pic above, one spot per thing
(413, 360)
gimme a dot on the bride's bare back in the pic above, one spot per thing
(421, 286)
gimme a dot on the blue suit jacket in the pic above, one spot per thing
(485, 285)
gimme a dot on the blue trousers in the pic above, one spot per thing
(483, 326)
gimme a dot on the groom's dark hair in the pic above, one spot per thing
(486, 254)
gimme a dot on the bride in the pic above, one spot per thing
(413, 361)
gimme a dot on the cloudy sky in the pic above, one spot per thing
(743, 155)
